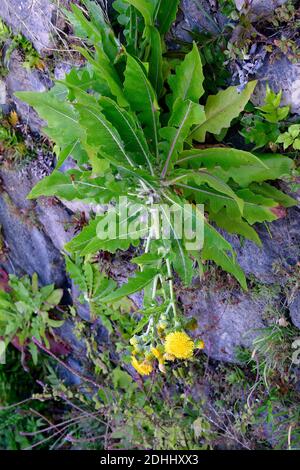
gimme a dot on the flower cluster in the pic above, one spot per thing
(175, 345)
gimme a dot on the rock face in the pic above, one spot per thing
(32, 18)
(257, 8)
(199, 16)
(33, 242)
(283, 75)
(278, 257)
(295, 310)
(227, 320)
(21, 79)
(196, 16)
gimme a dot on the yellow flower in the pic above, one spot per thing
(179, 344)
(157, 354)
(143, 368)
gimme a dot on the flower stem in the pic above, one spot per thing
(171, 288)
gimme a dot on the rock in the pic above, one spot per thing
(32, 18)
(199, 16)
(3, 95)
(227, 320)
(30, 248)
(62, 69)
(257, 8)
(276, 260)
(56, 221)
(21, 79)
(283, 75)
(295, 310)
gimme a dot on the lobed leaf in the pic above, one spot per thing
(142, 99)
(187, 83)
(221, 109)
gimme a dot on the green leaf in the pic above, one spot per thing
(194, 181)
(184, 270)
(224, 157)
(55, 323)
(271, 192)
(226, 262)
(185, 115)
(75, 272)
(78, 243)
(146, 258)
(276, 166)
(81, 81)
(141, 96)
(156, 62)
(121, 379)
(236, 225)
(61, 117)
(257, 208)
(146, 8)
(107, 72)
(96, 29)
(71, 186)
(34, 353)
(87, 242)
(134, 284)
(167, 14)
(129, 131)
(130, 20)
(213, 239)
(101, 134)
(221, 109)
(58, 184)
(53, 299)
(187, 83)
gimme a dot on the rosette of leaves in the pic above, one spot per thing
(130, 119)
(25, 313)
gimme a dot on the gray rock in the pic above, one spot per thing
(56, 221)
(276, 260)
(30, 248)
(61, 70)
(226, 320)
(3, 95)
(21, 79)
(283, 75)
(295, 311)
(257, 8)
(33, 18)
(199, 16)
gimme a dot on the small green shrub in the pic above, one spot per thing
(25, 314)
(291, 138)
(262, 126)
